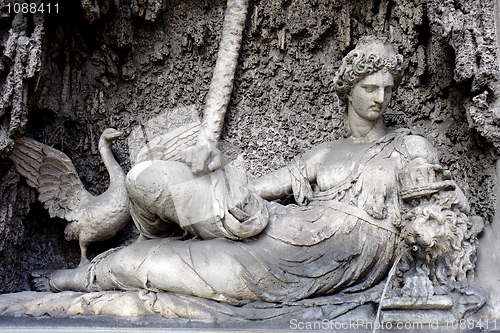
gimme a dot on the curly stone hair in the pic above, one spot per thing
(363, 61)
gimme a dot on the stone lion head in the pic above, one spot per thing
(446, 236)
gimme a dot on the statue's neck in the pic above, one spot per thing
(363, 130)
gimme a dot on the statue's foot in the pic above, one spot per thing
(41, 281)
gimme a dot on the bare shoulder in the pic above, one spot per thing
(318, 152)
(419, 146)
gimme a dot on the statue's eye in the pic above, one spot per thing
(369, 89)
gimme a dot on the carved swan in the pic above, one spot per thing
(51, 172)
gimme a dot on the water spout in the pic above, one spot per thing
(391, 273)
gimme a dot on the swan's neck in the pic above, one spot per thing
(116, 173)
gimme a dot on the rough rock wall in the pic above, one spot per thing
(119, 63)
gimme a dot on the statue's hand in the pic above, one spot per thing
(418, 287)
(202, 157)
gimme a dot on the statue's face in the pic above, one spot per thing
(370, 97)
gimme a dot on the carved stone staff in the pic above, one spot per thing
(219, 93)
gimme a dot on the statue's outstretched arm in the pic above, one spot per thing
(274, 185)
(278, 184)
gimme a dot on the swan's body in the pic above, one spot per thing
(51, 172)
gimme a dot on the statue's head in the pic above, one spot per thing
(370, 55)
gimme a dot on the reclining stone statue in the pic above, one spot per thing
(357, 200)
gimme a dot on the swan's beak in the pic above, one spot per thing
(115, 135)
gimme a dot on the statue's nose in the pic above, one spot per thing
(379, 96)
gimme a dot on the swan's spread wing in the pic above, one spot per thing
(27, 156)
(52, 173)
(167, 147)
